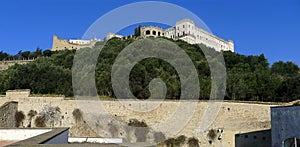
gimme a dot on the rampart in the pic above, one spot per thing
(232, 118)
(4, 65)
(62, 44)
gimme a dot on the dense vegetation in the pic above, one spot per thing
(249, 78)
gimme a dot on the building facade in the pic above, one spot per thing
(73, 44)
(184, 30)
(285, 126)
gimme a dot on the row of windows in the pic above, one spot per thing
(254, 137)
(67, 48)
(216, 42)
(148, 32)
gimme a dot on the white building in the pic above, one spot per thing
(112, 35)
(185, 30)
(82, 42)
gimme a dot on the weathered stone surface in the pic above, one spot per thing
(7, 114)
(233, 117)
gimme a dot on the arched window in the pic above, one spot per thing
(158, 33)
(153, 32)
(147, 32)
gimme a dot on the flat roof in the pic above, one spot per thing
(40, 139)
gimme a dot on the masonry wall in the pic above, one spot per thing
(62, 44)
(7, 114)
(4, 65)
(233, 118)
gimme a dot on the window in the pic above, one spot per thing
(153, 32)
(183, 26)
(147, 32)
(158, 33)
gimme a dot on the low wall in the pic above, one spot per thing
(4, 65)
(233, 118)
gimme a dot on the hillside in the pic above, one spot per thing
(248, 77)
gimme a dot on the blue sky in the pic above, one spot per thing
(270, 27)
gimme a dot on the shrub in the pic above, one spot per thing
(180, 140)
(193, 142)
(40, 121)
(19, 117)
(170, 142)
(50, 114)
(212, 134)
(31, 114)
(137, 123)
(77, 114)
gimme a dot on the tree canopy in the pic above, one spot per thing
(249, 78)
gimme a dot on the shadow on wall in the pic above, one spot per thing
(257, 139)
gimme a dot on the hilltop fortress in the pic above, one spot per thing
(185, 30)
(62, 44)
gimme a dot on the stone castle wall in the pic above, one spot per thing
(4, 65)
(62, 44)
(233, 118)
